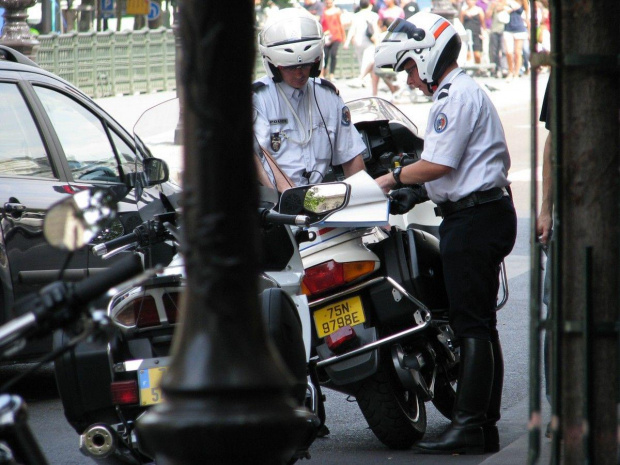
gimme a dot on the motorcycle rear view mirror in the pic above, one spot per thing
(73, 222)
(316, 201)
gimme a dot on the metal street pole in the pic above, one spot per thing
(227, 397)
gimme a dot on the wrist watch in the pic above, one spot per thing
(396, 173)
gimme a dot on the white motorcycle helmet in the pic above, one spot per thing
(429, 39)
(292, 36)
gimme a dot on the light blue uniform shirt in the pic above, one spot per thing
(464, 132)
(279, 132)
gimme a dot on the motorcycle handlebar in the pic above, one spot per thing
(105, 247)
(96, 285)
(269, 216)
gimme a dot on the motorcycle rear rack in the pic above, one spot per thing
(426, 317)
(374, 345)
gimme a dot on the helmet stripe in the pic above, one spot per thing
(441, 28)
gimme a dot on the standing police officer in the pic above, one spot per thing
(302, 122)
(464, 168)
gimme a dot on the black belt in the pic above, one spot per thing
(475, 198)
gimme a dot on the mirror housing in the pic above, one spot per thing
(155, 171)
(73, 222)
(316, 201)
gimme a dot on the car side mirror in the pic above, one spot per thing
(156, 171)
(316, 201)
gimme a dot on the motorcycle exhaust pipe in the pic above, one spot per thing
(98, 442)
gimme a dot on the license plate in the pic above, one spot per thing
(149, 380)
(347, 312)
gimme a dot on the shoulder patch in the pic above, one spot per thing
(257, 85)
(346, 116)
(444, 92)
(328, 84)
(441, 123)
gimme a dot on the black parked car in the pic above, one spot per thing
(55, 141)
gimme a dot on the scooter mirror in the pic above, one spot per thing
(73, 222)
(316, 201)
(325, 198)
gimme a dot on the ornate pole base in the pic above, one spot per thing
(228, 429)
(16, 33)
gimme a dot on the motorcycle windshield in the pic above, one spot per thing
(158, 132)
(377, 109)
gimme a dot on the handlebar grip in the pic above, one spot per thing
(279, 218)
(103, 248)
(96, 285)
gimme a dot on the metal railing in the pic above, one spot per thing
(109, 63)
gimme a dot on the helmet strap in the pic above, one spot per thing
(277, 75)
(315, 72)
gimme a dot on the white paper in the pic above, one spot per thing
(368, 205)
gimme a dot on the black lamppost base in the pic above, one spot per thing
(225, 429)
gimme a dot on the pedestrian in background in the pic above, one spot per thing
(334, 36)
(473, 20)
(315, 8)
(391, 11)
(499, 16)
(362, 34)
(516, 33)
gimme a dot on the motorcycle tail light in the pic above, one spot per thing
(124, 392)
(341, 339)
(140, 312)
(331, 274)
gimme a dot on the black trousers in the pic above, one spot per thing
(474, 241)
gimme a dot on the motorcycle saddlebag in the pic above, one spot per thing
(411, 258)
(83, 377)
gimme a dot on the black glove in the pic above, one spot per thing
(403, 200)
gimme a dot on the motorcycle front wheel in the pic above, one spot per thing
(396, 416)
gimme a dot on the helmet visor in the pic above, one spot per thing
(290, 31)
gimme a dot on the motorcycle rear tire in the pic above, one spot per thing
(396, 416)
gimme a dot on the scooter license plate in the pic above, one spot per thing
(331, 318)
(149, 380)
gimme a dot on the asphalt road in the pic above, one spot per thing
(350, 440)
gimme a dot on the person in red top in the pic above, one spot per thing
(334, 36)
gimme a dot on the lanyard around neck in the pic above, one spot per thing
(307, 133)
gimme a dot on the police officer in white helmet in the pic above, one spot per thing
(464, 169)
(299, 118)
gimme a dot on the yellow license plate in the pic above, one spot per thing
(347, 312)
(149, 381)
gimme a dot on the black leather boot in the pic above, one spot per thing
(466, 435)
(491, 434)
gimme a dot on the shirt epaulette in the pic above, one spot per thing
(326, 83)
(444, 92)
(257, 85)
